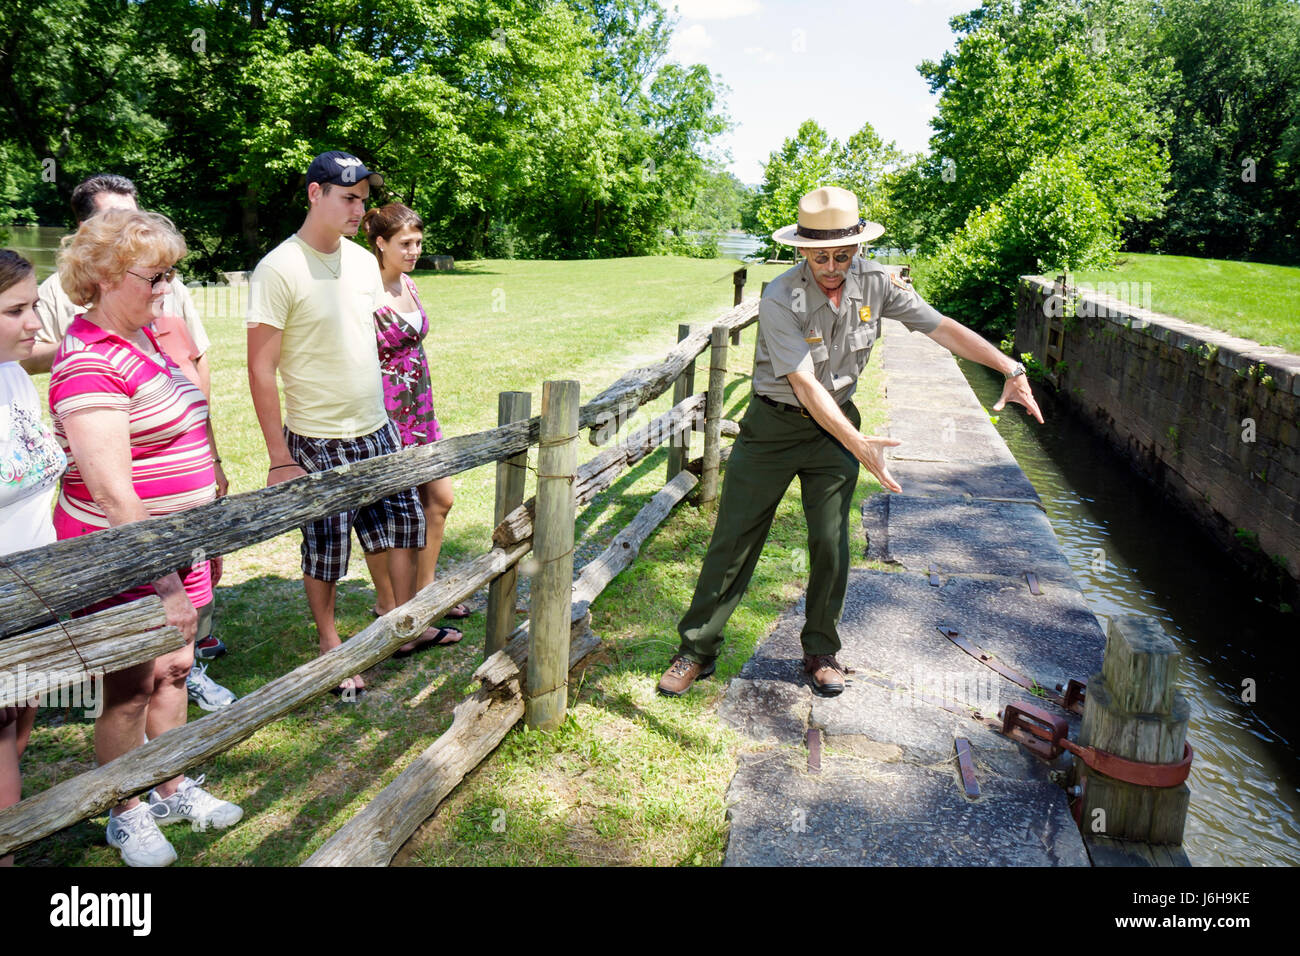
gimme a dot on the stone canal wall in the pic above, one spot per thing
(1212, 420)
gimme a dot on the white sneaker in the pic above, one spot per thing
(206, 692)
(191, 802)
(136, 834)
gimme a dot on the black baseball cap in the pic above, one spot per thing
(340, 169)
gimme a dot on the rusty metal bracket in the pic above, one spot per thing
(1076, 693)
(966, 764)
(814, 750)
(1032, 578)
(1035, 729)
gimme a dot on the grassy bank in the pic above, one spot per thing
(631, 777)
(1248, 299)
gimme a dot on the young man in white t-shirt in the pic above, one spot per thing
(311, 320)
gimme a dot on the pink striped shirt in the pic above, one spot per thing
(171, 460)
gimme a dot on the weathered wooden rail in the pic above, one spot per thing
(68, 575)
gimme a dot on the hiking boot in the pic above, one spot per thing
(135, 833)
(681, 674)
(191, 802)
(827, 673)
(206, 692)
(209, 649)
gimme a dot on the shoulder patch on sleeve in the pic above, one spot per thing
(893, 277)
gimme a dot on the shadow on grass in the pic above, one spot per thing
(460, 270)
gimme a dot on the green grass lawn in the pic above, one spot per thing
(631, 777)
(1248, 299)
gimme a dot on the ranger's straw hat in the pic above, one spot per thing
(828, 217)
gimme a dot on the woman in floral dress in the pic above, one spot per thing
(396, 235)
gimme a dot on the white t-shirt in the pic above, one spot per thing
(329, 361)
(30, 465)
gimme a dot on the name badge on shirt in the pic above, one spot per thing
(813, 340)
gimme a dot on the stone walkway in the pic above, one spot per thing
(889, 792)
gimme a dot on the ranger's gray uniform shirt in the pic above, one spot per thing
(800, 331)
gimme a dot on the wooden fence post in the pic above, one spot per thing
(503, 592)
(713, 417)
(552, 585)
(680, 445)
(1132, 710)
(738, 279)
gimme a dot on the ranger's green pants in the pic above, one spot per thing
(773, 448)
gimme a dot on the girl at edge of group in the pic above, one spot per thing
(396, 235)
(30, 465)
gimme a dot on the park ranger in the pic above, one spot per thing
(817, 323)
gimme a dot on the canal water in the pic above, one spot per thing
(1134, 553)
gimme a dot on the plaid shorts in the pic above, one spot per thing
(393, 522)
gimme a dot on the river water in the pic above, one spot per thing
(1134, 553)
(40, 244)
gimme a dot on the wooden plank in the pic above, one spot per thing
(552, 584)
(65, 655)
(77, 572)
(480, 722)
(713, 417)
(684, 386)
(503, 592)
(178, 750)
(622, 551)
(373, 836)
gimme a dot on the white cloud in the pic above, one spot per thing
(760, 55)
(689, 44)
(715, 9)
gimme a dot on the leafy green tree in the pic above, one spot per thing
(1236, 113)
(1033, 79)
(542, 127)
(811, 159)
(73, 77)
(1051, 219)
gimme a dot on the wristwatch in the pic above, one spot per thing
(1017, 369)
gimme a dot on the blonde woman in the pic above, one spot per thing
(135, 431)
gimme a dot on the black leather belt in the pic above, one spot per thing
(782, 406)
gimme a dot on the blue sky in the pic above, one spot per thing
(839, 63)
